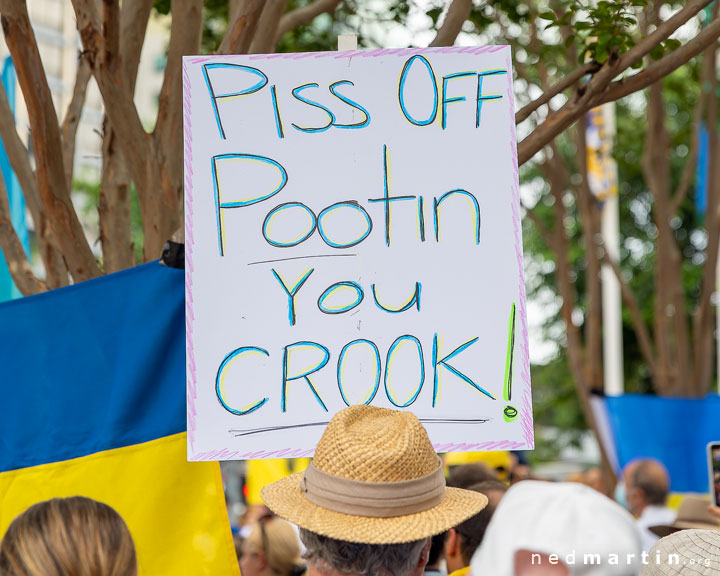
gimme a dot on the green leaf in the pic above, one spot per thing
(672, 44)
(434, 14)
(581, 57)
(548, 16)
(601, 53)
(657, 52)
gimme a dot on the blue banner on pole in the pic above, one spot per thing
(701, 171)
(8, 290)
(675, 431)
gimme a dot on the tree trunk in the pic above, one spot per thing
(590, 218)
(114, 206)
(50, 171)
(264, 40)
(703, 320)
(577, 352)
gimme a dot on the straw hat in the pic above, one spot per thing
(375, 479)
(695, 552)
(692, 513)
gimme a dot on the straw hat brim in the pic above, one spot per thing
(286, 499)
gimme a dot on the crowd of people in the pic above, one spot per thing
(376, 501)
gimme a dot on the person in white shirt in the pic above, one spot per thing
(647, 484)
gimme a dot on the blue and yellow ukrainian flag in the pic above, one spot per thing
(92, 403)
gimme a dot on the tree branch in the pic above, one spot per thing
(162, 208)
(661, 68)
(639, 325)
(114, 202)
(55, 195)
(69, 126)
(264, 40)
(590, 218)
(116, 93)
(185, 37)
(19, 157)
(689, 168)
(133, 26)
(241, 28)
(304, 15)
(455, 17)
(593, 94)
(663, 31)
(111, 32)
(12, 248)
(55, 269)
(556, 89)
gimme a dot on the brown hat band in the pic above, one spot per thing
(374, 499)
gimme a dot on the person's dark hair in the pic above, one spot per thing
(68, 536)
(650, 477)
(437, 545)
(332, 556)
(491, 488)
(472, 531)
(465, 475)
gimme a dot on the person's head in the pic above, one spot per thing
(372, 497)
(594, 479)
(465, 475)
(68, 536)
(464, 539)
(647, 484)
(694, 552)
(559, 529)
(329, 556)
(271, 549)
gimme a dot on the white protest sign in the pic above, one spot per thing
(353, 235)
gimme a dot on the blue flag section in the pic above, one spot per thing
(676, 431)
(16, 200)
(101, 364)
(93, 404)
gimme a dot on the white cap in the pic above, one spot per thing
(569, 520)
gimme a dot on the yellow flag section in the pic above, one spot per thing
(164, 499)
(499, 460)
(260, 473)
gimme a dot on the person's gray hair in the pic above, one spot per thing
(338, 556)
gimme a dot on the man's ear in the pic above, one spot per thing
(452, 544)
(424, 556)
